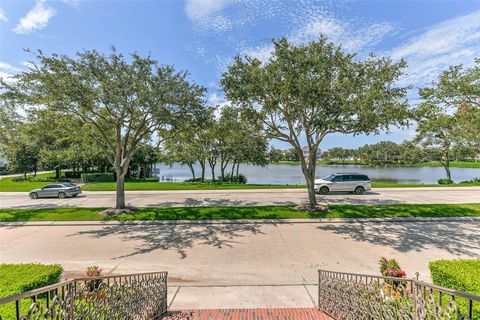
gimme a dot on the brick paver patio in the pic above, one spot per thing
(248, 314)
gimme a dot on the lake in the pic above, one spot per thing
(292, 174)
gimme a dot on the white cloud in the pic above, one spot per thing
(208, 14)
(451, 42)
(352, 35)
(7, 71)
(3, 17)
(37, 18)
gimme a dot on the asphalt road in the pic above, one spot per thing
(246, 197)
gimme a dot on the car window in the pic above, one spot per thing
(330, 177)
(68, 185)
(56, 186)
(338, 179)
(50, 186)
(355, 178)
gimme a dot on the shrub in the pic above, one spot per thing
(98, 177)
(462, 275)
(18, 278)
(71, 174)
(233, 178)
(94, 271)
(474, 180)
(444, 181)
(39, 179)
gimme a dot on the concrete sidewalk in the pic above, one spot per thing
(242, 296)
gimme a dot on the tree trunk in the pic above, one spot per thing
(238, 167)
(233, 169)
(202, 165)
(212, 167)
(57, 173)
(309, 173)
(120, 201)
(190, 166)
(447, 170)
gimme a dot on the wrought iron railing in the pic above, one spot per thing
(132, 296)
(359, 297)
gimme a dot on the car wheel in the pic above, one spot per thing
(62, 195)
(74, 195)
(34, 195)
(359, 190)
(324, 190)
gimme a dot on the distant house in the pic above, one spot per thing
(477, 157)
(306, 153)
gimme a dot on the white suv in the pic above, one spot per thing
(350, 182)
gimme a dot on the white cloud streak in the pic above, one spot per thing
(37, 18)
(208, 14)
(3, 17)
(455, 41)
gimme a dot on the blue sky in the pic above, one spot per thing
(204, 35)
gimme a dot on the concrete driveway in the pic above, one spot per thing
(246, 197)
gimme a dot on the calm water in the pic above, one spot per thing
(292, 174)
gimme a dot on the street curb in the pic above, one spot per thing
(239, 221)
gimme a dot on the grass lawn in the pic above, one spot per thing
(262, 212)
(110, 186)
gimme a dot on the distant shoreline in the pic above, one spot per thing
(453, 164)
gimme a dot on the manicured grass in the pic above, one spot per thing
(262, 212)
(462, 275)
(110, 186)
(18, 278)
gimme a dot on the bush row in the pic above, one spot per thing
(18, 278)
(461, 275)
(98, 177)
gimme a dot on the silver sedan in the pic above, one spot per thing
(60, 190)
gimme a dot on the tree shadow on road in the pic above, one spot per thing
(179, 237)
(458, 238)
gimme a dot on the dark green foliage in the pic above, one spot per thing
(445, 181)
(18, 278)
(474, 180)
(462, 275)
(71, 174)
(233, 178)
(98, 177)
(151, 179)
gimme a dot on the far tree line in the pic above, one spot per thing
(115, 112)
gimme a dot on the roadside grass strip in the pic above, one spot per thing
(258, 212)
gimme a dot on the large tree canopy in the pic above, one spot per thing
(124, 101)
(305, 92)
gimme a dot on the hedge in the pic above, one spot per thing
(462, 275)
(18, 278)
(98, 177)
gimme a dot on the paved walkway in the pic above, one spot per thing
(245, 197)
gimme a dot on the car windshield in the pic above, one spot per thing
(330, 177)
(69, 185)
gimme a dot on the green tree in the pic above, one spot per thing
(313, 90)
(457, 90)
(125, 102)
(438, 131)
